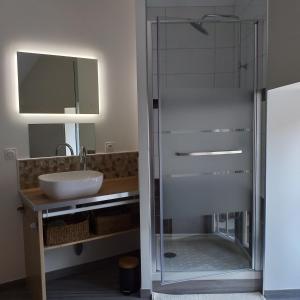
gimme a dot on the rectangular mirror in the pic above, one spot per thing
(46, 140)
(50, 84)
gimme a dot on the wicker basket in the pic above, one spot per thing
(67, 233)
(107, 224)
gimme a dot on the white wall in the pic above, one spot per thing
(282, 260)
(284, 43)
(101, 29)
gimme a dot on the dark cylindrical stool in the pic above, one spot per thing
(129, 275)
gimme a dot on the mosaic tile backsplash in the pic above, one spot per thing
(112, 165)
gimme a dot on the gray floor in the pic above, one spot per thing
(197, 253)
(102, 283)
(81, 292)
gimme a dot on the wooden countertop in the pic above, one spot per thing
(111, 189)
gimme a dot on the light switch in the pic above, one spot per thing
(10, 154)
(109, 147)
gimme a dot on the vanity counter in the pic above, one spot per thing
(111, 189)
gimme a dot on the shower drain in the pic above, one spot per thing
(170, 254)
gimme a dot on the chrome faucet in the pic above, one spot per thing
(82, 157)
(66, 145)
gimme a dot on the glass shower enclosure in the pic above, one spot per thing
(206, 150)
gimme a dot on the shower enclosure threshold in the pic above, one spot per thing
(172, 277)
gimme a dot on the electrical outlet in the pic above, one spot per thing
(109, 147)
(10, 154)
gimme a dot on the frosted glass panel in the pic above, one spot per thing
(205, 144)
(199, 121)
(192, 109)
(194, 196)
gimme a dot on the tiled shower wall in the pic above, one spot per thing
(189, 59)
(255, 9)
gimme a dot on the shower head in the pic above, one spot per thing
(199, 25)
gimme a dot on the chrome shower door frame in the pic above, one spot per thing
(257, 234)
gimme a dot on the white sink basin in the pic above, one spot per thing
(73, 184)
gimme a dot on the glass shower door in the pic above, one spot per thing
(206, 141)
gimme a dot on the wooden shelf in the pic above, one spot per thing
(37, 207)
(91, 238)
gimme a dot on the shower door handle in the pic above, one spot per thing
(209, 153)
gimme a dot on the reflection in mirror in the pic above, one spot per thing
(57, 84)
(46, 140)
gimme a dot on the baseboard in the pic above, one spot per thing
(274, 294)
(209, 286)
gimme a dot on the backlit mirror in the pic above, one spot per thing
(50, 84)
(46, 140)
